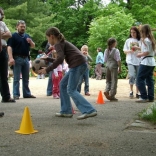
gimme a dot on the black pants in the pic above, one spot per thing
(4, 87)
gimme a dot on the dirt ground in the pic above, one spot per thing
(104, 135)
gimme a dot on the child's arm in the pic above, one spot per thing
(89, 58)
(119, 66)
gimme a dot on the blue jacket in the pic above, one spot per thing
(100, 58)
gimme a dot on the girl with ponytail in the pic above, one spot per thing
(68, 85)
(147, 64)
(113, 67)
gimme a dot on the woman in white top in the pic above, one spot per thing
(131, 59)
(145, 73)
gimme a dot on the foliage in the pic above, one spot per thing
(75, 18)
(124, 71)
(81, 21)
(37, 20)
(113, 25)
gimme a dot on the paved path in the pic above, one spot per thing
(103, 135)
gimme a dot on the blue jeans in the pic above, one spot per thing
(84, 77)
(145, 77)
(21, 66)
(68, 88)
(132, 72)
(50, 84)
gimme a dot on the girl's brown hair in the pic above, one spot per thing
(56, 32)
(137, 32)
(110, 43)
(99, 49)
(146, 32)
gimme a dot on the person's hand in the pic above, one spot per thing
(85, 53)
(119, 71)
(139, 55)
(11, 62)
(135, 47)
(29, 40)
(50, 48)
(42, 71)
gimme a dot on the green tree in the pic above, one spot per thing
(37, 19)
(142, 10)
(74, 18)
(113, 25)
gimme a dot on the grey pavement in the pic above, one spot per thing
(107, 134)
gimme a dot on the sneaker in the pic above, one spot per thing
(30, 96)
(140, 100)
(64, 115)
(55, 96)
(113, 99)
(84, 116)
(87, 94)
(16, 97)
(107, 95)
(137, 96)
(1, 114)
(131, 95)
(49, 94)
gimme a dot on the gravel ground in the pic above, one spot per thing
(104, 135)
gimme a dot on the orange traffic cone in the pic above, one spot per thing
(73, 111)
(26, 123)
(100, 99)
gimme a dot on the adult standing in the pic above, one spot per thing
(4, 87)
(145, 74)
(131, 58)
(68, 85)
(18, 49)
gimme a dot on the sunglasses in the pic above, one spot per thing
(20, 22)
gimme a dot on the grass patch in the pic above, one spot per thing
(149, 114)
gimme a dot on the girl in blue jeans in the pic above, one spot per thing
(145, 74)
(68, 85)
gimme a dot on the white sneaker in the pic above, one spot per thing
(64, 115)
(84, 116)
(140, 100)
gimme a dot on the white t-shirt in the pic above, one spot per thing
(146, 46)
(3, 28)
(131, 57)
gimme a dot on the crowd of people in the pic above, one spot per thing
(69, 67)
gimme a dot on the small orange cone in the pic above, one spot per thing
(100, 99)
(26, 123)
(73, 111)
